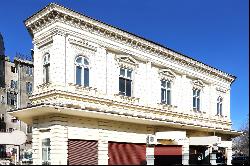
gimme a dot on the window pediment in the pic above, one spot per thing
(221, 89)
(126, 61)
(167, 74)
(198, 84)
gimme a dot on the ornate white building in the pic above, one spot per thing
(105, 96)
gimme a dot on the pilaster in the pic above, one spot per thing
(229, 154)
(185, 152)
(59, 141)
(103, 143)
(35, 144)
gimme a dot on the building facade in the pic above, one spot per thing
(105, 96)
(16, 80)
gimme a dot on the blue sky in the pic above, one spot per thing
(215, 32)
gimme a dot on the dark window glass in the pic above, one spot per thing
(168, 85)
(86, 62)
(198, 104)
(163, 94)
(221, 109)
(78, 75)
(122, 86)
(218, 108)
(128, 87)
(86, 77)
(79, 60)
(163, 83)
(122, 72)
(168, 97)
(194, 102)
(13, 69)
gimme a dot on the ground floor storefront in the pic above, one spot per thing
(59, 139)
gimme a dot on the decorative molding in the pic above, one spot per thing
(54, 12)
(167, 74)
(197, 84)
(46, 41)
(82, 43)
(126, 61)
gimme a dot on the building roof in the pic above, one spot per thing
(35, 20)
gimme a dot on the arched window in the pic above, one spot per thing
(82, 71)
(219, 106)
(46, 66)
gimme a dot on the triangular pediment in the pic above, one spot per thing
(167, 74)
(198, 83)
(127, 59)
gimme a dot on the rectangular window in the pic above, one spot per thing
(29, 70)
(13, 69)
(11, 98)
(13, 84)
(28, 87)
(78, 75)
(29, 129)
(86, 77)
(166, 92)
(196, 99)
(10, 130)
(125, 82)
(46, 151)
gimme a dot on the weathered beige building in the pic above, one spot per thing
(105, 96)
(16, 79)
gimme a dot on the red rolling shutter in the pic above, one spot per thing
(82, 152)
(168, 155)
(126, 153)
(167, 150)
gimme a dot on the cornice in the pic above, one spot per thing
(54, 12)
(107, 106)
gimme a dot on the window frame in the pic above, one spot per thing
(48, 152)
(29, 87)
(13, 69)
(219, 106)
(197, 98)
(167, 99)
(29, 70)
(126, 78)
(12, 98)
(82, 67)
(46, 68)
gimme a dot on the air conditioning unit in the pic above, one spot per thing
(151, 140)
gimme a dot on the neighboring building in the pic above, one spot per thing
(16, 86)
(105, 96)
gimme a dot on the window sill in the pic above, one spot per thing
(44, 85)
(82, 87)
(220, 116)
(164, 105)
(127, 98)
(200, 112)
